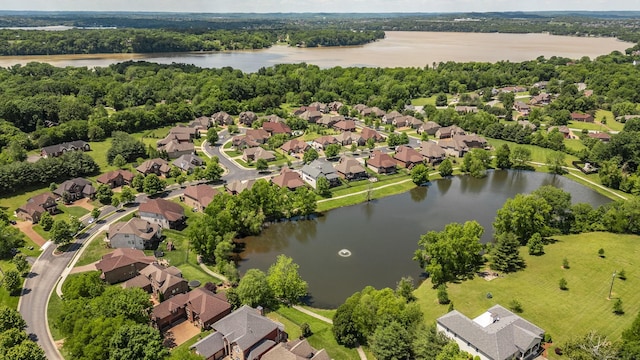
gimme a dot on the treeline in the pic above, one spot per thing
(333, 37)
(21, 175)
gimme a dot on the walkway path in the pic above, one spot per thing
(573, 172)
(361, 352)
(213, 273)
(84, 268)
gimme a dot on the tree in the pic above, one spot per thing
(126, 145)
(11, 281)
(601, 252)
(175, 172)
(428, 342)
(153, 184)
(505, 255)
(451, 254)
(508, 99)
(262, 165)
(212, 136)
(254, 289)
(555, 162)
(445, 168)
(75, 224)
(420, 174)
(285, 281)
(405, 288)
(332, 150)
(443, 295)
(562, 284)
(610, 174)
(630, 348)
(503, 157)
(310, 155)
(10, 238)
(119, 161)
(524, 215)
(565, 263)
(214, 171)
(26, 350)
(137, 341)
(46, 221)
(181, 179)
(592, 346)
(560, 202)
(95, 213)
(515, 306)
(535, 245)
(11, 319)
(138, 182)
(371, 143)
(344, 327)
(126, 195)
(61, 233)
(20, 261)
(323, 187)
(520, 155)
(392, 342)
(354, 147)
(84, 285)
(441, 99)
(617, 307)
(104, 194)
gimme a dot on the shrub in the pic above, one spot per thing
(601, 252)
(443, 296)
(547, 338)
(516, 306)
(558, 351)
(622, 275)
(305, 330)
(617, 307)
(563, 284)
(565, 263)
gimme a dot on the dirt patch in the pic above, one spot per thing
(26, 228)
(84, 203)
(180, 333)
(488, 275)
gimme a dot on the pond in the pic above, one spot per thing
(372, 243)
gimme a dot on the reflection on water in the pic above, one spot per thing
(383, 234)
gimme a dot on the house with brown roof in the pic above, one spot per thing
(247, 117)
(388, 118)
(276, 128)
(322, 107)
(407, 157)
(175, 149)
(122, 264)
(428, 127)
(116, 178)
(243, 142)
(449, 131)
(178, 137)
(311, 116)
(166, 213)
(581, 117)
(381, 163)
(36, 206)
(458, 145)
(345, 125)
(188, 162)
(201, 123)
(59, 149)
(156, 166)
(298, 349)
(521, 107)
(602, 136)
(540, 99)
(414, 122)
(377, 112)
(288, 179)
(330, 120)
(273, 118)
(134, 234)
(335, 106)
(199, 196)
(245, 334)
(368, 133)
(200, 307)
(348, 138)
(222, 118)
(238, 186)
(432, 152)
(163, 282)
(257, 153)
(74, 189)
(564, 130)
(323, 141)
(350, 168)
(295, 146)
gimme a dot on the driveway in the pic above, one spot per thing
(180, 333)
(26, 228)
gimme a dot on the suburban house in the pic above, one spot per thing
(75, 189)
(322, 107)
(388, 118)
(122, 264)
(247, 117)
(182, 130)
(564, 130)
(302, 109)
(175, 149)
(449, 131)
(295, 146)
(381, 163)
(345, 125)
(540, 99)
(162, 282)
(351, 169)
(414, 122)
(466, 109)
(276, 128)
(59, 149)
(498, 334)
(200, 307)
(179, 138)
(348, 138)
(295, 350)
(428, 127)
(407, 121)
(188, 162)
(602, 136)
(36, 206)
(245, 334)
(581, 117)
(328, 120)
(527, 123)
(522, 108)
(257, 153)
(222, 118)
(432, 152)
(319, 168)
(156, 166)
(273, 118)
(238, 186)
(458, 145)
(201, 123)
(311, 116)
(335, 106)
(323, 141)
(407, 157)
(116, 178)
(198, 197)
(513, 89)
(163, 212)
(251, 138)
(377, 112)
(134, 234)
(362, 109)
(288, 178)
(368, 133)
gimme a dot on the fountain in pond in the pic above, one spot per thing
(344, 253)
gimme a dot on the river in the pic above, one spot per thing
(398, 49)
(383, 234)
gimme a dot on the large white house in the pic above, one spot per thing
(498, 334)
(133, 234)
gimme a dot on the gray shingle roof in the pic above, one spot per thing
(210, 345)
(318, 168)
(245, 327)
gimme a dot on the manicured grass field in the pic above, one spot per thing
(574, 144)
(94, 251)
(563, 314)
(586, 125)
(427, 101)
(54, 308)
(611, 121)
(538, 154)
(399, 186)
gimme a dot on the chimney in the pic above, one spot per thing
(260, 310)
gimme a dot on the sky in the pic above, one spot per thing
(331, 6)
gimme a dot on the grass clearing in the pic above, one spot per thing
(538, 154)
(54, 308)
(585, 125)
(574, 144)
(94, 251)
(562, 314)
(353, 195)
(611, 122)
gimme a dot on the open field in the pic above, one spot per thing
(538, 154)
(563, 314)
(611, 122)
(589, 126)
(574, 144)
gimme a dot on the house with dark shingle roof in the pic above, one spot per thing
(166, 213)
(257, 153)
(295, 350)
(199, 196)
(428, 127)
(381, 163)
(222, 118)
(59, 149)
(288, 178)
(319, 168)
(122, 264)
(295, 146)
(432, 152)
(188, 162)
(351, 169)
(134, 234)
(201, 307)
(116, 178)
(75, 189)
(245, 334)
(238, 186)
(323, 141)
(581, 117)
(407, 157)
(247, 117)
(163, 282)
(156, 166)
(36, 206)
(498, 334)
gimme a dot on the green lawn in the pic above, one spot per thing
(328, 313)
(94, 251)
(586, 125)
(10, 202)
(400, 187)
(538, 154)
(427, 101)
(611, 122)
(563, 314)
(574, 144)
(312, 135)
(54, 308)
(322, 335)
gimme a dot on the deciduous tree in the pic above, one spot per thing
(285, 281)
(503, 157)
(61, 233)
(392, 341)
(136, 342)
(420, 174)
(153, 184)
(445, 168)
(524, 215)
(254, 289)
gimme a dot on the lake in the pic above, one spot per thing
(398, 49)
(383, 234)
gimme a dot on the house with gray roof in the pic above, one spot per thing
(245, 334)
(498, 334)
(319, 168)
(188, 162)
(134, 234)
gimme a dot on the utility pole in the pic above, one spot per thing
(613, 277)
